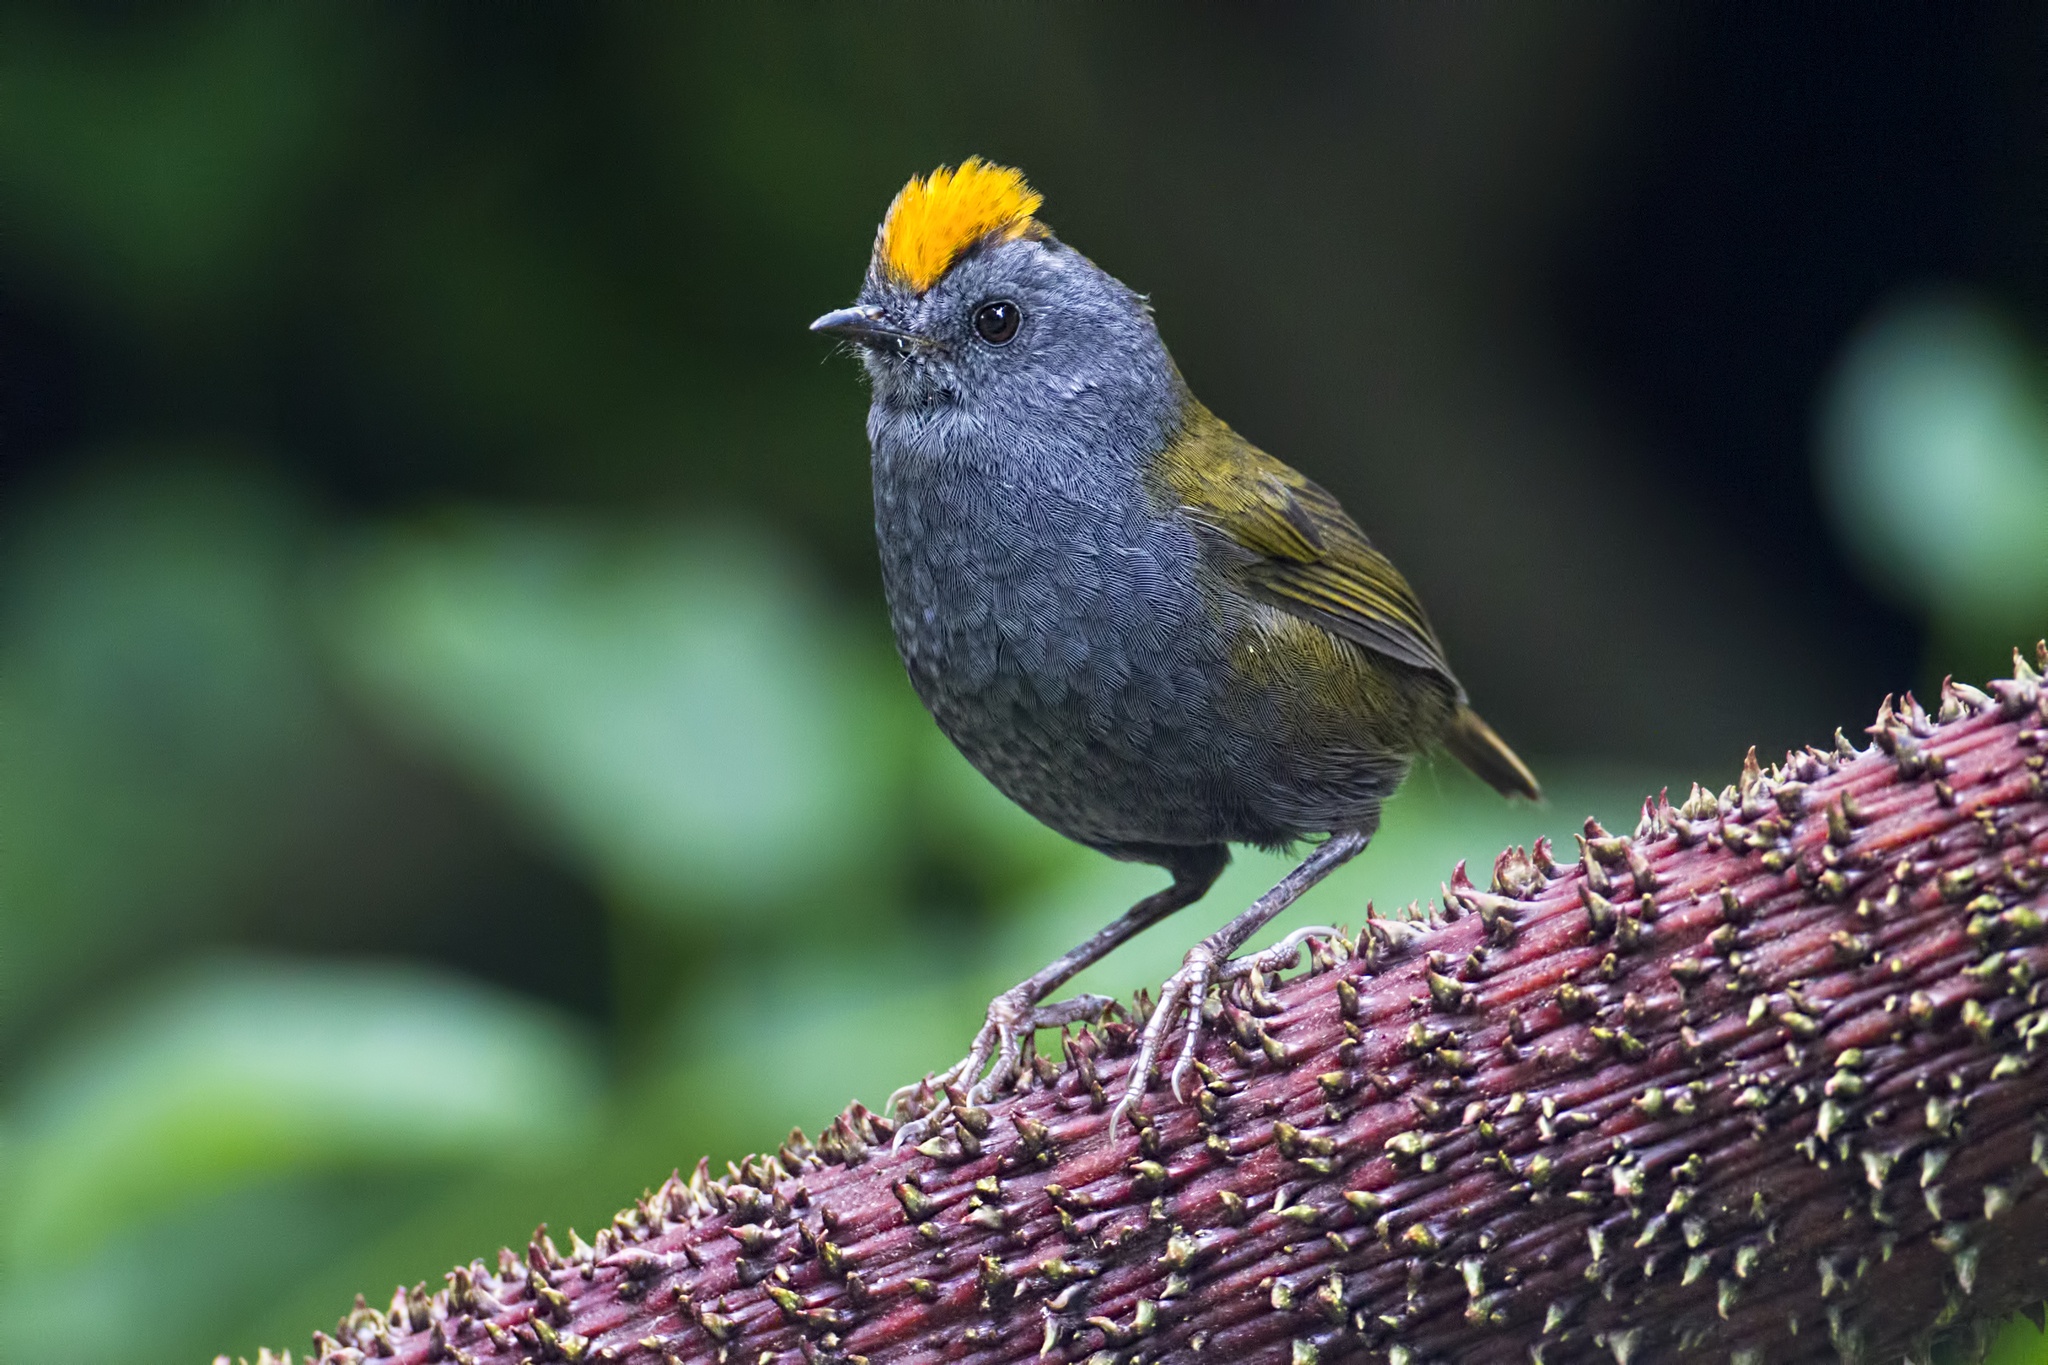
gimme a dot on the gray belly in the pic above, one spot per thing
(1073, 661)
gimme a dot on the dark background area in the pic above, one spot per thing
(437, 562)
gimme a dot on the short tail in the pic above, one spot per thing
(1473, 743)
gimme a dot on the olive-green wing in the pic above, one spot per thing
(1300, 550)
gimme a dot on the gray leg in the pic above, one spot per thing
(1210, 959)
(1016, 1014)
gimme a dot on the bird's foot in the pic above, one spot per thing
(993, 1064)
(1208, 964)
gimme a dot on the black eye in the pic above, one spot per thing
(996, 321)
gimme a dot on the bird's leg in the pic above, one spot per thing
(1210, 961)
(1015, 1015)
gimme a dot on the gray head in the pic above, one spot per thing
(983, 334)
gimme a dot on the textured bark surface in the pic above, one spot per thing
(1761, 1082)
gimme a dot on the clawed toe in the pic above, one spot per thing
(999, 1055)
(907, 1100)
(1185, 988)
(993, 1065)
(1185, 993)
(1278, 958)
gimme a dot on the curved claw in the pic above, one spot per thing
(1278, 958)
(1011, 1022)
(902, 1101)
(1185, 988)
(913, 1131)
(905, 1103)
(1193, 1036)
(1009, 1057)
(919, 1125)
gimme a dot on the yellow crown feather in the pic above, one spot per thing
(936, 218)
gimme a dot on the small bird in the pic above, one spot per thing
(1146, 631)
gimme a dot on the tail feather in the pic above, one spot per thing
(1473, 743)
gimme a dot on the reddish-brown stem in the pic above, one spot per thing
(1760, 1082)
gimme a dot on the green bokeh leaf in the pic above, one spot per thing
(2021, 1343)
(159, 167)
(164, 736)
(176, 1287)
(670, 704)
(243, 1070)
(1935, 459)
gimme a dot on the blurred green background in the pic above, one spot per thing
(453, 768)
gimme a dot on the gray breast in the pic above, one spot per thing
(1058, 638)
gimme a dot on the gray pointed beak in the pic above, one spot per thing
(863, 324)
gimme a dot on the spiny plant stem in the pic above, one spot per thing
(1760, 1082)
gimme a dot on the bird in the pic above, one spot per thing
(1149, 633)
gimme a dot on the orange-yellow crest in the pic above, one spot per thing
(936, 218)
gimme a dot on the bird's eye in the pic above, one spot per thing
(997, 320)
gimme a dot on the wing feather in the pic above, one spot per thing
(1289, 543)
